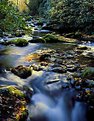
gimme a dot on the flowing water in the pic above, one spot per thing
(46, 104)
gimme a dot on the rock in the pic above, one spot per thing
(88, 54)
(88, 72)
(37, 40)
(82, 47)
(12, 104)
(59, 69)
(44, 64)
(50, 38)
(36, 67)
(45, 57)
(19, 42)
(22, 71)
(76, 35)
(72, 68)
(28, 91)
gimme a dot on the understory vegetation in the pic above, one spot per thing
(68, 15)
(10, 18)
(72, 15)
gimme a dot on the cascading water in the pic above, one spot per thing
(60, 109)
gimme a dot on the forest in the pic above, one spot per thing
(46, 60)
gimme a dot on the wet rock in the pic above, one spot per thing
(50, 38)
(45, 57)
(28, 92)
(22, 71)
(44, 64)
(88, 54)
(19, 42)
(37, 67)
(59, 61)
(37, 39)
(82, 47)
(72, 68)
(59, 69)
(12, 104)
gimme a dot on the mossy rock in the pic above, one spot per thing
(22, 71)
(74, 35)
(88, 72)
(13, 104)
(38, 40)
(19, 42)
(51, 38)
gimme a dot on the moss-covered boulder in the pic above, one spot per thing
(88, 72)
(50, 38)
(19, 42)
(22, 71)
(54, 38)
(38, 40)
(12, 104)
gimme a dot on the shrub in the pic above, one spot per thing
(10, 18)
(74, 14)
(88, 73)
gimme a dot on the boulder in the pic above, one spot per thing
(88, 54)
(22, 71)
(19, 42)
(82, 47)
(45, 57)
(12, 104)
(59, 69)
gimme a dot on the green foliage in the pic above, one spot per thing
(75, 14)
(34, 6)
(19, 42)
(39, 7)
(10, 18)
(88, 73)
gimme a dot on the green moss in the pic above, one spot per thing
(40, 40)
(88, 73)
(19, 42)
(13, 90)
(50, 38)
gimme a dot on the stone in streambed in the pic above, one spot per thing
(12, 104)
(82, 47)
(59, 69)
(45, 57)
(22, 71)
(19, 42)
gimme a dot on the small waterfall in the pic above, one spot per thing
(79, 112)
(61, 109)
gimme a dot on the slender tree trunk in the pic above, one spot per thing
(17, 2)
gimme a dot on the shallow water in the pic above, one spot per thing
(48, 103)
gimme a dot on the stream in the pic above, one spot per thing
(48, 102)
